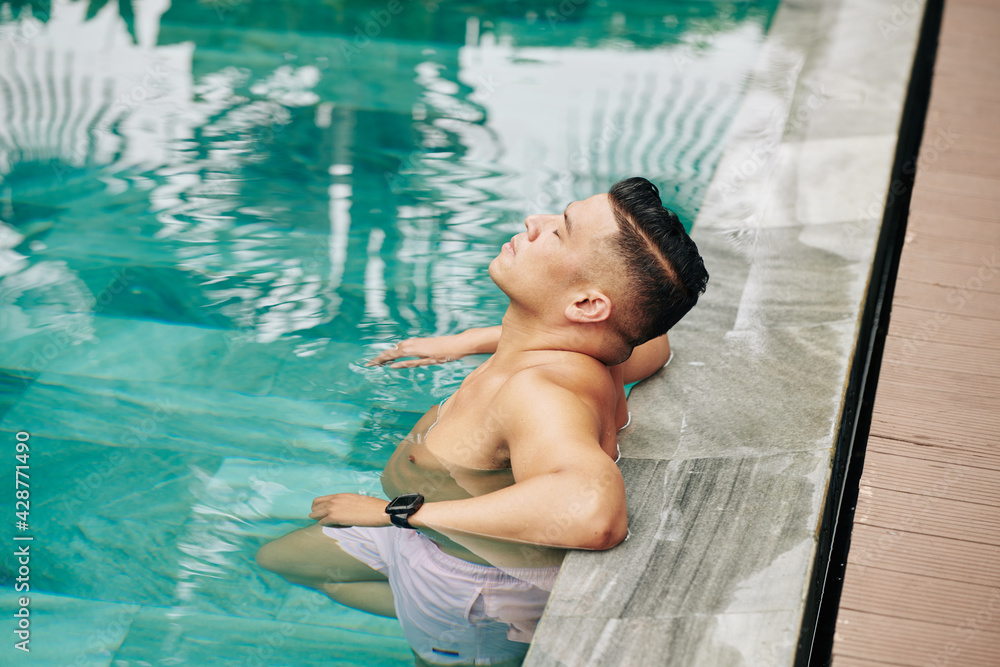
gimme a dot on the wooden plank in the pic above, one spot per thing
(895, 397)
(961, 161)
(922, 585)
(965, 62)
(949, 93)
(972, 126)
(916, 378)
(947, 228)
(944, 133)
(968, 99)
(913, 642)
(934, 178)
(967, 19)
(945, 326)
(934, 452)
(956, 451)
(944, 435)
(927, 515)
(923, 555)
(981, 255)
(952, 272)
(974, 3)
(949, 90)
(855, 661)
(945, 379)
(979, 261)
(918, 598)
(939, 479)
(971, 3)
(936, 355)
(955, 204)
(966, 300)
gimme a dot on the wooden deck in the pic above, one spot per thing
(922, 585)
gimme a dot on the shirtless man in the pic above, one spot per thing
(524, 452)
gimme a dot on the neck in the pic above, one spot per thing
(521, 333)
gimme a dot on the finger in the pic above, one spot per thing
(400, 349)
(384, 356)
(321, 504)
(423, 361)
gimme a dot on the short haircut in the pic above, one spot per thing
(663, 272)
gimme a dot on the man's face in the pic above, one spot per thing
(542, 266)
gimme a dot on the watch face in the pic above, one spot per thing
(404, 503)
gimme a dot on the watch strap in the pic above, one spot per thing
(401, 520)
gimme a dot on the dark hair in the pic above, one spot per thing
(664, 274)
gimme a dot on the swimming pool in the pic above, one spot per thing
(214, 213)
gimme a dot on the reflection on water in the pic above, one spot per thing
(211, 213)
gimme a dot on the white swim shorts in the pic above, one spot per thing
(452, 611)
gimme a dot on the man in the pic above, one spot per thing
(523, 454)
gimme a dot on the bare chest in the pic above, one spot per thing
(468, 433)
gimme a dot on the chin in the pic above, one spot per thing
(494, 270)
(496, 275)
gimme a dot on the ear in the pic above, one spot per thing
(592, 306)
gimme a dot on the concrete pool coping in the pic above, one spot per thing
(728, 463)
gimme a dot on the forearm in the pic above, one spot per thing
(481, 340)
(580, 512)
(646, 359)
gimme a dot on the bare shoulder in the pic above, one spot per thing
(558, 413)
(565, 379)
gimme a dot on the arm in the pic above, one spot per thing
(568, 492)
(562, 508)
(646, 359)
(439, 349)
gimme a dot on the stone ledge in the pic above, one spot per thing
(728, 464)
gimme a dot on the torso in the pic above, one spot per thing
(458, 450)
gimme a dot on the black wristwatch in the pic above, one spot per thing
(402, 508)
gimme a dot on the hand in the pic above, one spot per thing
(350, 509)
(435, 350)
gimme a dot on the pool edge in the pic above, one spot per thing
(769, 225)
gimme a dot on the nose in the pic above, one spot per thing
(536, 223)
(533, 225)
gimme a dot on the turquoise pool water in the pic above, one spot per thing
(212, 213)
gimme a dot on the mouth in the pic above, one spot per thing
(509, 246)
